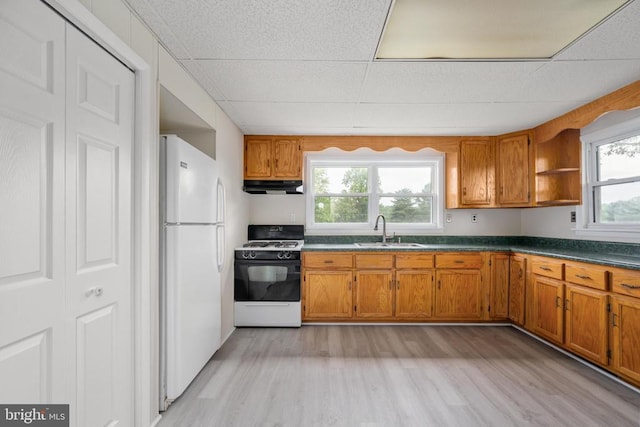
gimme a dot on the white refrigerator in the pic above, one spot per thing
(192, 256)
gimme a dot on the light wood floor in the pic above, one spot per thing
(398, 376)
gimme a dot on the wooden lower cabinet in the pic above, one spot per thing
(517, 284)
(548, 297)
(585, 319)
(327, 295)
(458, 294)
(499, 286)
(625, 328)
(374, 294)
(414, 294)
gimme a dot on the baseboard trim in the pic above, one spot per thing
(399, 324)
(579, 359)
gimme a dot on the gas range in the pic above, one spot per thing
(267, 277)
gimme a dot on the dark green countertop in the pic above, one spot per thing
(623, 255)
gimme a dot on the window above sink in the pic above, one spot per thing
(348, 190)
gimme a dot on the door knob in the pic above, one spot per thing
(96, 290)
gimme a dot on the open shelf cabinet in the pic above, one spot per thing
(558, 170)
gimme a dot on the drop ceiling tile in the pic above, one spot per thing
(475, 116)
(578, 81)
(283, 81)
(276, 29)
(295, 114)
(152, 19)
(443, 82)
(616, 38)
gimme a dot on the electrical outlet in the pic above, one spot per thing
(449, 218)
(474, 218)
(573, 216)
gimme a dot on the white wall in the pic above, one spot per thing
(278, 209)
(548, 222)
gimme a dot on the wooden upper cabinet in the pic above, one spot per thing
(512, 170)
(257, 158)
(476, 175)
(272, 158)
(287, 159)
(557, 167)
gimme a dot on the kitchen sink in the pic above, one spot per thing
(388, 245)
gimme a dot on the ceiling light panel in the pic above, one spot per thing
(493, 29)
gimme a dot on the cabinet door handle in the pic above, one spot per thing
(558, 302)
(464, 191)
(545, 268)
(276, 163)
(390, 285)
(520, 274)
(459, 261)
(613, 320)
(628, 286)
(581, 276)
(328, 261)
(566, 305)
(439, 284)
(398, 284)
(349, 284)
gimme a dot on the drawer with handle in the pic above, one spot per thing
(589, 275)
(459, 260)
(374, 261)
(626, 282)
(328, 260)
(547, 267)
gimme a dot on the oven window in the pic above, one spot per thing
(267, 282)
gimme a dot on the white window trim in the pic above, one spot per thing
(609, 128)
(367, 157)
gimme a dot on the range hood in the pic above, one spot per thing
(272, 187)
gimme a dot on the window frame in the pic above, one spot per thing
(610, 128)
(372, 161)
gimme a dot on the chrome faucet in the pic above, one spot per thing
(384, 227)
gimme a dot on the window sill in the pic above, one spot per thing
(628, 234)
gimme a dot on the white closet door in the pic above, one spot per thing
(99, 153)
(32, 90)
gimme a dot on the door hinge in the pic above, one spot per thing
(609, 307)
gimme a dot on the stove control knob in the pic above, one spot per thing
(245, 254)
(252, 254)
(287, 255)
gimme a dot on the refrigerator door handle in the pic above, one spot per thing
(220, 246)
(221, 202)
